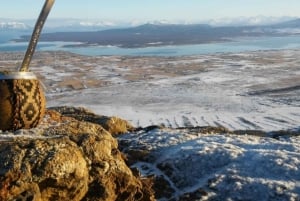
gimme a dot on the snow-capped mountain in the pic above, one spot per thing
(53, 25)
(13, 25)
(70, 24)
(79, 25)
(98, 23)
(248, 21)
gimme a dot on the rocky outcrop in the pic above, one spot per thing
(113, 125)
(211, 163)
(68, 159)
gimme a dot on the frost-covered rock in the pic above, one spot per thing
(190, 164)
(73, 159)
(66, 159)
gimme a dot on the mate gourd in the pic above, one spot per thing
(22, 100)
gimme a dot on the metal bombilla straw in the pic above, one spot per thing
(35, 35)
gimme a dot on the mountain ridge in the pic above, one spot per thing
(169, 34)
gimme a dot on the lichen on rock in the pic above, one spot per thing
(66, 159)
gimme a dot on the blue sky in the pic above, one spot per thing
(191, 10)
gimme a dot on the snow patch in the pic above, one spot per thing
(227, 167)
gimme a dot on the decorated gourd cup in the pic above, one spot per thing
(22, 101)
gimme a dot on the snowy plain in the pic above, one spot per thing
(240, 91)
(253, 90)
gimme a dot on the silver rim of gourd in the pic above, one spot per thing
(18, 76)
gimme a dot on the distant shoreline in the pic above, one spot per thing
(229, 45)
(158, 35)
(157, 44)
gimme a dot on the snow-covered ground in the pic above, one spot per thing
(219, 166)
(250, 91)
(201, 166)
(253, 90)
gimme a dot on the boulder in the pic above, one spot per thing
(67, 159)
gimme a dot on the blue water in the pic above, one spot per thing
(239, 45)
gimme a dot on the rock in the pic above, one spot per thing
(199, 164)
(163, 188)
(114, 125)
(67, 159)
(43, 169)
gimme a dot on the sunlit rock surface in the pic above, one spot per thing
(66, 159)
(70, 158)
